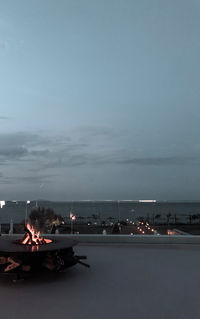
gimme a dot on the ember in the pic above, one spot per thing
(32, 237)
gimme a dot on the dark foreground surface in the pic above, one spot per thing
(124, 281)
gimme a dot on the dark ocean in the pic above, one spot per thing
(119, 210)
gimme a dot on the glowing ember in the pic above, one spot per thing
(32, 237)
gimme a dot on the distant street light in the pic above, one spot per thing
(72, 218)
(26, 213)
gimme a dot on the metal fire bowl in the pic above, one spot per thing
(8, 245)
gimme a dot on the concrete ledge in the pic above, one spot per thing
(136, 239)
(127, 239)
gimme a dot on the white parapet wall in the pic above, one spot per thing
(124, 239)
(136, 239)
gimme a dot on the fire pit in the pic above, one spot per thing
(32, 237)
(33, 253)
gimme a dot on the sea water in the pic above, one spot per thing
(103, 210)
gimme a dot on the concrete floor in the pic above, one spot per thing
(124, 281)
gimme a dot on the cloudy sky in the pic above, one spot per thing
(99, 99)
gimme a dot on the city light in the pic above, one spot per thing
(2, 203)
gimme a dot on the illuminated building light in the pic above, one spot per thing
(147, 201)
(2, 203)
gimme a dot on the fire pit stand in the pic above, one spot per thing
(19, 259)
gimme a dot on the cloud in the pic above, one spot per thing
(39, 151)
(4, 45)
(29, 179)
(90, 130)
(18, 139)
(157, 161)
(95, 134)
(36, 179)
(13, 152)
(36, 152)
(4, 117)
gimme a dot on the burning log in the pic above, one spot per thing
(12, 264)
(32, 237)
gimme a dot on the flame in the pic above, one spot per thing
(32, 237)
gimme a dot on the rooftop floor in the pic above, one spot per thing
(124, 281)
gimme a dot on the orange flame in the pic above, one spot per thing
(32, 237)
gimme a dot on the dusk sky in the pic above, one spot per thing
(99, 99)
